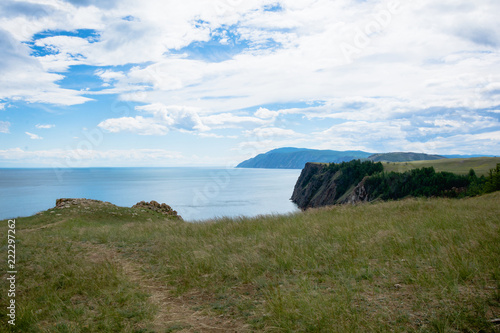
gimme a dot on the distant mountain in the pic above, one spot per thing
(403, 157)
(296, 158)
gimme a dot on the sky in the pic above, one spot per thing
(88, 83)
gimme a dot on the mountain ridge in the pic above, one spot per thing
(296, 158)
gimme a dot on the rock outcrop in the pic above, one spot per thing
(68, 202)
(357, 195)
(157, 207)
(163, 208)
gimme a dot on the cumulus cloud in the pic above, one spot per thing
(24, 78)
(109, 75)
(161, 119)
(138, 125)
(266, 113)
(46, 126)
(387, 74)
(33, 136)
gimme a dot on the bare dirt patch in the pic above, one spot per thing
(174, 313)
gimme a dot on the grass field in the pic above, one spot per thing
(481, 165)
(417, 265)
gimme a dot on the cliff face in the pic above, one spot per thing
(321, 184)
(311, 179)
(357, 181)
(317, 187)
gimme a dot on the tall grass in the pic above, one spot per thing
(411, 265)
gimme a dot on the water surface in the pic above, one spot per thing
(196, 193)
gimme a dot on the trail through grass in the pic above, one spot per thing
(417, 265)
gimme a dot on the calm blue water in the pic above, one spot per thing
(196, 193)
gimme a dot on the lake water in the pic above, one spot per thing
(196, 193)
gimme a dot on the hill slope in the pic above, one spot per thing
(296, 158)
(403, 157)
(405, 266)
(481, 165)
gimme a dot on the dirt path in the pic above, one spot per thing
(174, 313)
(50, 225)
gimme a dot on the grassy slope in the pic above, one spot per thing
(481, 165)
(412, 265)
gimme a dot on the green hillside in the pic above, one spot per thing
(481, 165)
(416, 265)
(403, 157)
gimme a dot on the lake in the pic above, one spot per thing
(196, 193)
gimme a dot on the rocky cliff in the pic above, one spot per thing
(328, 184)
(322, 184)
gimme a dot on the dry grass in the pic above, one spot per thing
(417, 265)
(481, 165)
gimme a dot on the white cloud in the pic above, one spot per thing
(230, 120)
(163, 118)
(363, 135)
(109, 75)
(33, 136)
(213, 135)
(46, 126)
(64, 158)
(4, 126)
(482, 143)
(306, 61)
(24, 78)
(272, 133)
(266, 113)
(411, 79)
(138, 125)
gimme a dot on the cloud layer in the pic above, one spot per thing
(379, 75)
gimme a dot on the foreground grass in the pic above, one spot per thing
(426, 265)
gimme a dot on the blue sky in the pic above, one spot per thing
(201, 83)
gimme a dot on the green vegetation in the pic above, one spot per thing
(427, 182)
(493, 180)
(462, 166)
(424, 182)
(355, 181)
(415, 265)
(351, 173)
